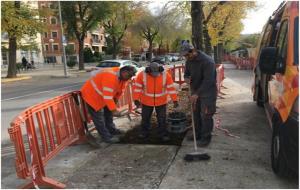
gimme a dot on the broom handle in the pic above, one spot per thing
(193, 123)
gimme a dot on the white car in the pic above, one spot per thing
(116, 63)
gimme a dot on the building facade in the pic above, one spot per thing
(52, 42)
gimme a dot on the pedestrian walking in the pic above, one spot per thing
(24, 63)
(151, 90)
(101, 93)
(200, 74)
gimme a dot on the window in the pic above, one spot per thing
(101, 37)
(54, 34)
(53, 5)
(45, 34)
(55, 47)
(47, 47)
(108, 64)
(296, 41)
(282, 45)
(53, 20)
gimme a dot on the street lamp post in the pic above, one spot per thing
(62, 41)
(50, 42)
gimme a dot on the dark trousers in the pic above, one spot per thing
(161, 114)
(103, 121)
(203, 119)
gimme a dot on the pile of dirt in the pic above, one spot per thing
(131, 136)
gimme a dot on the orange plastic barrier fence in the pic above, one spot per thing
(220, 76)
(50, 127)
(241, 63)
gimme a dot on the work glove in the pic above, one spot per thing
(175, 104)
(137, 103)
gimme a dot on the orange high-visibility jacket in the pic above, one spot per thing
(101, 89)
(153, 91)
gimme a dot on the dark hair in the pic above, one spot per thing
(128, 68)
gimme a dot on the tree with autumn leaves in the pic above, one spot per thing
(18, 21)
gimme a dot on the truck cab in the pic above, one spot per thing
(276, 88)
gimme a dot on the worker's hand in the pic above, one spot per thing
(137, 103)
(116, 113)
(194, 99)
(187, 81)
(175, 104)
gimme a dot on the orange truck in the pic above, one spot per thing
(276, 86)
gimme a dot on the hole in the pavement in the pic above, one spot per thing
(132, 136)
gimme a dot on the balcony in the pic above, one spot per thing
(95, 41)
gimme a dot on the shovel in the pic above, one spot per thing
(90, 138)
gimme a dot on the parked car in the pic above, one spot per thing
(116, 63)
(163, 60)
(136, 57)
(276, 87)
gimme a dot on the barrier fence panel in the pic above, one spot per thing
(50, 126)
(241, 63)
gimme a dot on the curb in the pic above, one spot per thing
(6, 80)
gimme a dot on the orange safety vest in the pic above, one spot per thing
(101, 89)
(153, 91)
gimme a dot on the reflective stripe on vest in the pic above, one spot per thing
(164, 75)
(104, 88)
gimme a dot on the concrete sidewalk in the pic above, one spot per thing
(45, 70)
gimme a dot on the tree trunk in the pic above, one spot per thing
(81, 55)
(207, 44)
(114, 52)
(150, 51)
(197, 33)
(12, 69)
(216, 54)
(220, 52)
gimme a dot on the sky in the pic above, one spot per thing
(255, 19)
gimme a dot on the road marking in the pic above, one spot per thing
(47, 91)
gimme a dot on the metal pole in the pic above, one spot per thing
(62, 42)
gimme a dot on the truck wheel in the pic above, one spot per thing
(278, 155)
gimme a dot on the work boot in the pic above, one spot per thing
(204, 142)
(112, 140)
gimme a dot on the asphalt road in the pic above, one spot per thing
(17, 96)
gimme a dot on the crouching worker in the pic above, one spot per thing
(151, 89)
(101, 93)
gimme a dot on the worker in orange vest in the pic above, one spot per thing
(151, 90)
(101, 93)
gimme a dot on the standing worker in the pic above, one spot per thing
(200, 74)
(101, 93)
(151, 90)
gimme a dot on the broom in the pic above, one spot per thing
(195, 156)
